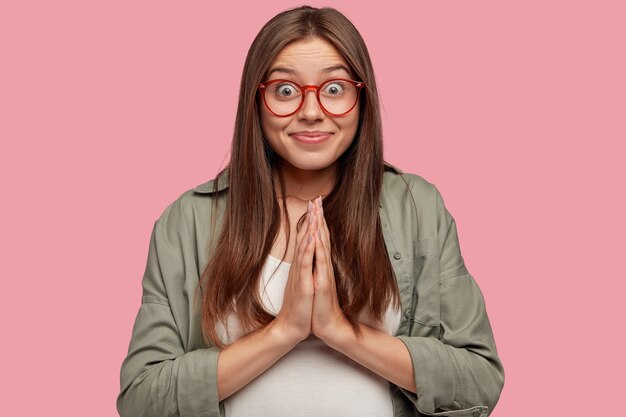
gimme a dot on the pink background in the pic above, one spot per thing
(110, 110)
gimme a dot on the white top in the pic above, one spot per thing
(312, 379)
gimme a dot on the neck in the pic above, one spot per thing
(306, 184)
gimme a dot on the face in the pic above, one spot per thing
(305, 62)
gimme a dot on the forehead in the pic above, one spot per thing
(311, 56)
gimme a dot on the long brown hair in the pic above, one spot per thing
(363, 272)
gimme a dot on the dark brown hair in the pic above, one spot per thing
(363, 272)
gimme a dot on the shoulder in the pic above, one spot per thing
(397, 183)
(194, 204)
(405, 192)
(215, 185)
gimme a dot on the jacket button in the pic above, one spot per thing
(407, 313)
(476, 413)
(397, 255)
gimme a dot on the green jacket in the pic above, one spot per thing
(168, 371)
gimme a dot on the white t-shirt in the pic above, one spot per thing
(312, 379)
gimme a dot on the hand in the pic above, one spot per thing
(294, 318)
(328, 320)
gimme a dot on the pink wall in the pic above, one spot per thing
(515, 110)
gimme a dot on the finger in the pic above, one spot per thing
(321, 257)
(306, 261)
(326, 240)
(310, 229)
(303, 228)
(325, 231)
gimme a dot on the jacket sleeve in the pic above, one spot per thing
(458, 373)
(158, 377)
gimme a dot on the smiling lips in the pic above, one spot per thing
(311, 137)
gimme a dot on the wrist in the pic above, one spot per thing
(283, 335)
(340, 336)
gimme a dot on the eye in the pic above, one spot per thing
(285, 89)
(334, 88)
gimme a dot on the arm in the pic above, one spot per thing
(381, 353)
(376, 350)
(249, 356)
(158, 376)
(460, 369)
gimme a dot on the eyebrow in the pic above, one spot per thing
(324, 70)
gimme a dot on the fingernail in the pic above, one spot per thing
(310, 238)
(309, 216)
(319, 201)
(309, 206)
(322, 211)
(319, 233)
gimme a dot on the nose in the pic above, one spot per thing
(310, 110)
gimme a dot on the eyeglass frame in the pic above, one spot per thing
(358, 84)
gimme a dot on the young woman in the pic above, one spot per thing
(310, 277)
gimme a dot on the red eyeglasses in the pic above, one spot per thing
(285, 97)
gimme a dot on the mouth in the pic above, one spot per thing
(311, 138)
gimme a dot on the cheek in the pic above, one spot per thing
(351, 123)
(265, 120)
(355, 121)
(273, 129)
(269, 125)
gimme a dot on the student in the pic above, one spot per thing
(309, 277)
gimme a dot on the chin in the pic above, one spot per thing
(309, 165)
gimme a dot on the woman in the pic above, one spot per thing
(367, 309)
